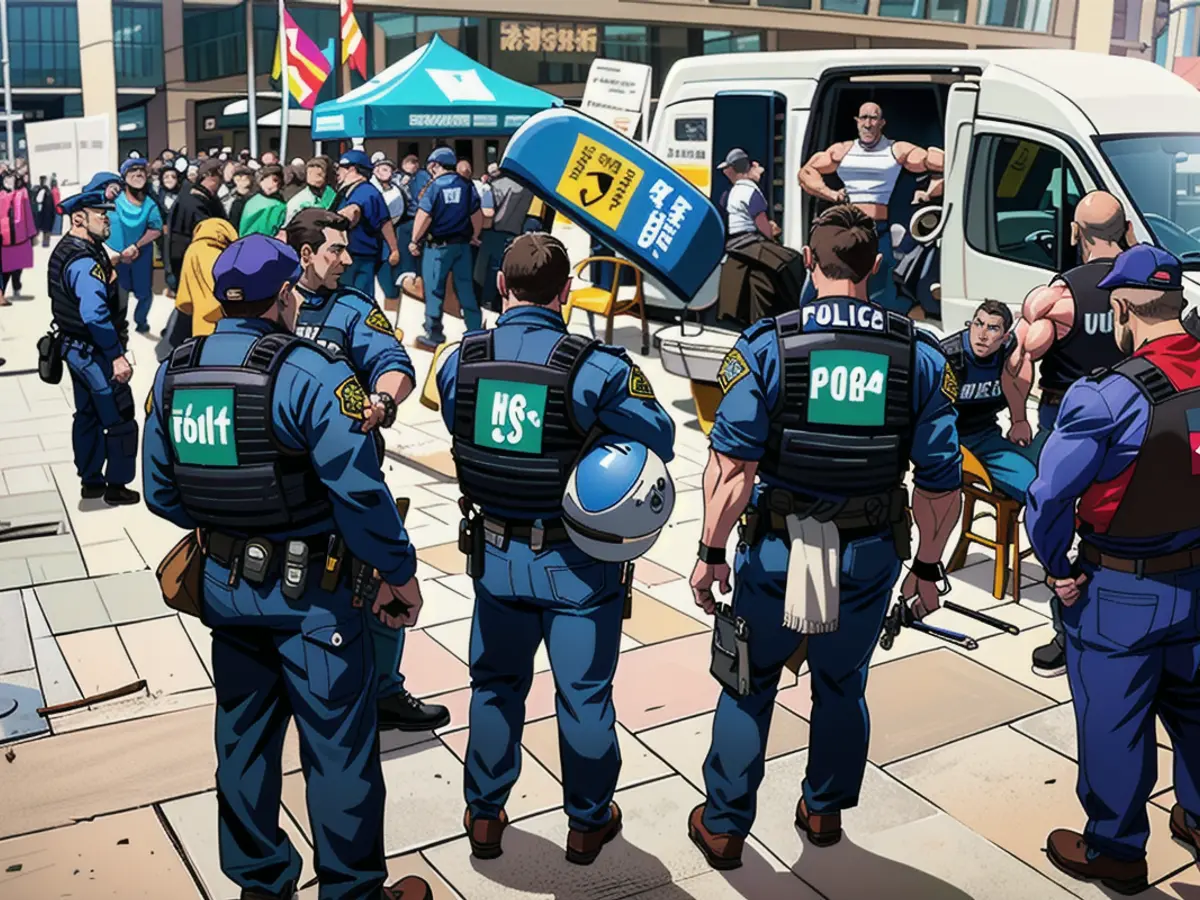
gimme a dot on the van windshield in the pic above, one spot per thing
(1161, 174)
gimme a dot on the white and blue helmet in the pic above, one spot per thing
(618, 499)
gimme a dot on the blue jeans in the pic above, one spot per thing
(840, 731)
(574, 603)
(436, 265)
(881, 288)
(1009, 465)
(137, 278)
(408, 262)
(104, 432)
(387, 645)
(360, 275)
(275, 661)
(387, 275)
(1133, 650)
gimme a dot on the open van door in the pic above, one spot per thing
(755, 121)
(961, 107)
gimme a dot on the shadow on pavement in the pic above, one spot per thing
(848, 870)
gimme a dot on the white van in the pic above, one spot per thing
(1026, 133)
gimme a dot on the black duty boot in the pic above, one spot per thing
(119, 495)
(404, 712)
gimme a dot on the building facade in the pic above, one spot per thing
(171, 73)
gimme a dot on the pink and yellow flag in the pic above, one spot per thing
(308, 67)
(354, 47)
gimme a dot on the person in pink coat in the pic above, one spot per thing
(17, 231)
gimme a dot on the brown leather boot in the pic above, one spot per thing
(411, 887)
(1068, 851)
(584, 846)
(722, 851)
(484, 834)
(822, 830)
(1181, 831)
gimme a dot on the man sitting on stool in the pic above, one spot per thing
(977, 355)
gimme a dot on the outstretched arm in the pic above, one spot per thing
(826, 162)
(1035, 335)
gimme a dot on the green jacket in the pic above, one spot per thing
(303, 199)
(262, 215)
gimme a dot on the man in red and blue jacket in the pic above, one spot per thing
(1122, 469)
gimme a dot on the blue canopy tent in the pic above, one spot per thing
(435, 91)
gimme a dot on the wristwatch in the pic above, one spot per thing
(928, 571)
(389, 407)
(711, 556)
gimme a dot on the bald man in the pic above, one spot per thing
(869, 168)
(1067, 327)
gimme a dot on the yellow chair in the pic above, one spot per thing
(430, 398)
(606, 302)
(978, 488)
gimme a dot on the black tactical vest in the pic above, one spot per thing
(1089, 345)
(233, 475)
(1163, 495)
(64, 305)
(980, 398)
(839, 428)
(505, 459)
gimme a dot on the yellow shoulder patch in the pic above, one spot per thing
(379, 321)
(733, 369)
(98, 273)
(150, 402)
(950, 385)
(639, 384)
(351, 398)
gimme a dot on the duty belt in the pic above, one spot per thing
(225, 549)
(446, 242)
(853, 514)
(1053, 396)
(498, 533)
(1153, 565)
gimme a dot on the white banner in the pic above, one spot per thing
(72, 150)
(618, 94)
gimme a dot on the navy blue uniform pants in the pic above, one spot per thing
(104, 432)
(573, 603)
(1133, 651)
(309, 661)
(840, 725)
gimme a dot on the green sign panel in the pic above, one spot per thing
(202, 427)
(847, 387)
(509, 415)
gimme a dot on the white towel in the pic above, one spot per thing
(810, 603)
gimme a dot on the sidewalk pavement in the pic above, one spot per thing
(971, 761)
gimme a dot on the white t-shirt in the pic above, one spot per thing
(745, 202)
(393, 197)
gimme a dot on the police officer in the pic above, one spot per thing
(349, 324)
(520, 401)
(1122, 462)
(90, 318)
(254, 437)
(861, 383)
(449, 222)
(976, 357)
(370, 222)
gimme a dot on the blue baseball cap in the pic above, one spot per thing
(134, 162)
(85, 200)
(254, 269)
(356, 158)
(443, 156)
(100, 181)
(1145, 266)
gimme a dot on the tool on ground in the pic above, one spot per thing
(902, 616)
(1007, 627)
(135, 688)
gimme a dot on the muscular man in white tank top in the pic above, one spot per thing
(869, 168)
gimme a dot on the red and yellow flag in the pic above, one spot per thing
(354, 47)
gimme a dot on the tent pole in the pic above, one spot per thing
(251, 87)
(285, 86)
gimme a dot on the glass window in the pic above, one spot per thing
(800, 4)
(43, 43)
(844, 6)
(404, 33)
(1127, 20)
(137, 45)
(691, 130)
(214, 41)
(630, 43)
(716, 41)
(543, 52)
(938, 10)
(1015, 207)
(1161, 173)
(1031, 15)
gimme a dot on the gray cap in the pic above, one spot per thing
(737, 158)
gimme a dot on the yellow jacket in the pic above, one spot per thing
(195, 294)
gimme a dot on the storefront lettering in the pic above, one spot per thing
(531, 37)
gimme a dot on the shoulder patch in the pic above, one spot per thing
(733, 369)
(758, 329)
(351, 398)
(150, 401)
(950, 384)
(378, 321)
(639, 384)
(98, 272)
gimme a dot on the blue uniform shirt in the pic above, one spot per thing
(743, 419)
(600, 391)
(307, 416)
(84, 283)
(1099, 433)
(130, 221)
(366, 237)
(348, 323)
(980, 395)
(450, 202)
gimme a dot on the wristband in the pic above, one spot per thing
(926, 571)
(389, 408)
(711, 556)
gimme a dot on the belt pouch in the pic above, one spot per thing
(730, 652)
(476, 552)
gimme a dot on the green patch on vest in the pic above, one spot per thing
(847, 387)
(201, 429)
(509, 415)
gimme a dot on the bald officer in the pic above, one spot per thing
(255, 438)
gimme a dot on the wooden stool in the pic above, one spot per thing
(978, 488)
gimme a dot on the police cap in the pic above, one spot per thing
(100, 181)
(444, 157)
(356, 159)
(254, 269)
(1144, 266)
(134, 162)
(85, 200)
